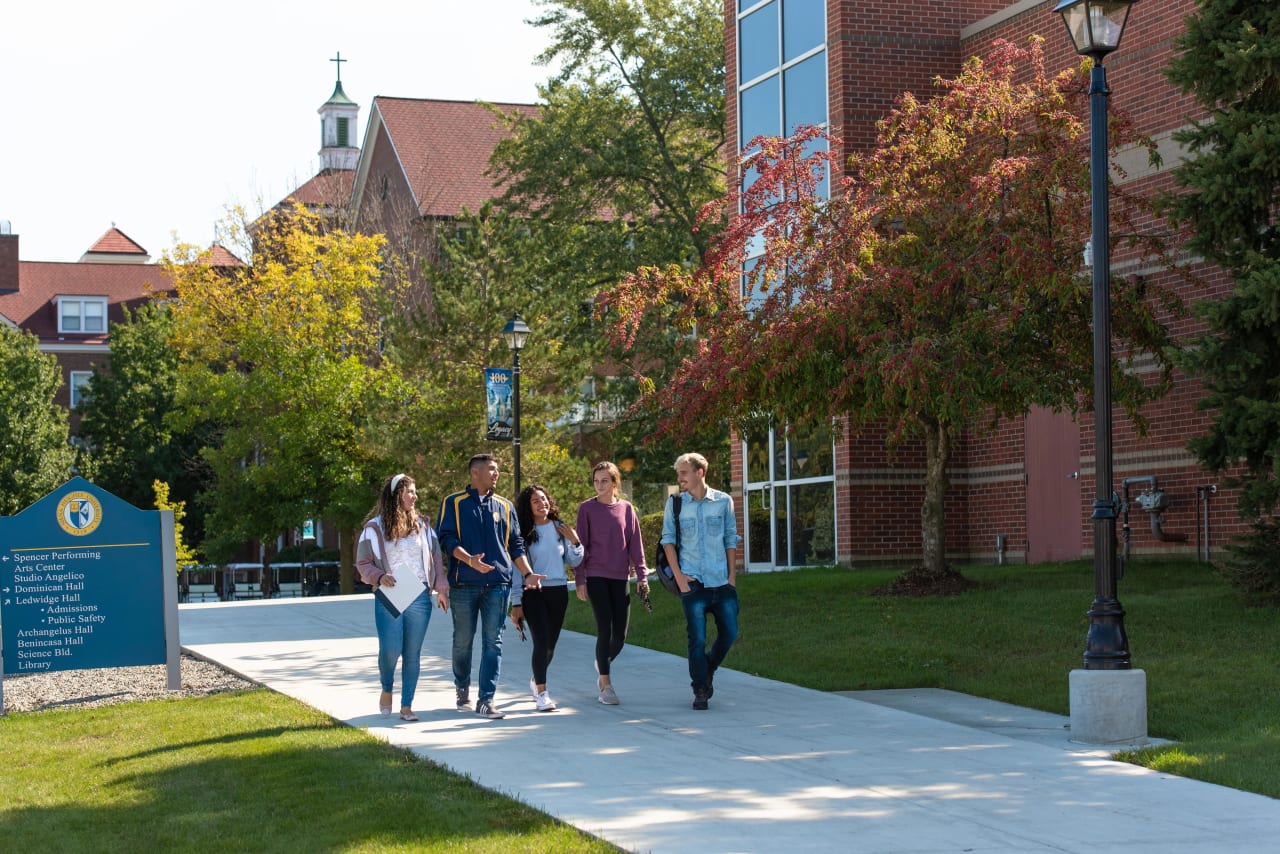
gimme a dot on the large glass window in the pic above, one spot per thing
(804, 27)
(758, 43)
(804, 95)
(782, 67)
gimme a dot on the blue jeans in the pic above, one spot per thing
(722, 604)
(490, 604)
(402, 637)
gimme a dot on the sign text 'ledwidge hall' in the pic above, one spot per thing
(80, 583)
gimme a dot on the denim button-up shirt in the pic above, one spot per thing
(708, 528)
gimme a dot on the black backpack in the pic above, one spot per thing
(660, 565)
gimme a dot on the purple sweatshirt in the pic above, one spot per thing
(611, 535)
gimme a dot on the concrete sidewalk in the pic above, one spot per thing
(771, 767)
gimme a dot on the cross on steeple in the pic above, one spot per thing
(339, 60)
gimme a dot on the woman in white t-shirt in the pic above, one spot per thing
(397, 542)
(549, 543)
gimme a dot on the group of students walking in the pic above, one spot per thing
(487, 561)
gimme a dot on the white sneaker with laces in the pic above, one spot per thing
(545, 703)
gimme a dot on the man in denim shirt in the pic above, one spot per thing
(704, 569)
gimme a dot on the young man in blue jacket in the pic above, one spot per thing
(479, 533)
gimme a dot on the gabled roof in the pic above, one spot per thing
(116, 242)
(443, 147)
(220, 256)
(330, 188)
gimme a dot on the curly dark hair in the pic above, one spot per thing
(396, 522)
(524, 512)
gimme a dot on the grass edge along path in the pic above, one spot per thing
(244, 771)
(1213, 682)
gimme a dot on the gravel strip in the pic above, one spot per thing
(88, 689)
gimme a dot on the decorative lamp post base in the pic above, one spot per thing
(1109, 707)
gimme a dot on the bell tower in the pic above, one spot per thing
(338, 130)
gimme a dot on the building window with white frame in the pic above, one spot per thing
(79, 387)
(82, 315)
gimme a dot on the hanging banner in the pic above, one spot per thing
(497, 393)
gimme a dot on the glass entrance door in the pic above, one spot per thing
(789, 499)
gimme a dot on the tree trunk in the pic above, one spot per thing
(933, 512)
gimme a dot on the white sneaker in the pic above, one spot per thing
(533, 689)
(607, 695)
(545, 703)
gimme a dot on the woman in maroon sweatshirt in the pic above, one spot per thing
(610, 531)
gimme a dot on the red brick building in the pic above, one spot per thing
(1025, 492)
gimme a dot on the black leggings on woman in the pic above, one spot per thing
(544, 611)
(612, 606)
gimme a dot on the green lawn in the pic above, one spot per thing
(1212, 664)
(243, 771)
(258, 771)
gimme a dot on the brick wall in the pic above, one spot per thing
(877, 51)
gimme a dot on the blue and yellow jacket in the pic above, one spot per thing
(480, 524)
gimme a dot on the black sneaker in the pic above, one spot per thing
(485, 709)
(700, 699)
(464, 699)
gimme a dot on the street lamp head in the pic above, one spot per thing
(1095, 26)
(516, 331)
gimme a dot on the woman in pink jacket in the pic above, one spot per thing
(610, 532)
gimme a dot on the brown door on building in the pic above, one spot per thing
(1054, 520)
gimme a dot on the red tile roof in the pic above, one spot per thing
(331, 188)
(220, 256)
(32, 306)
(116, 242)
(444, 148)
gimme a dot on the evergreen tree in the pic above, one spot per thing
(1230, 198)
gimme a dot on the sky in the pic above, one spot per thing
(155, 117)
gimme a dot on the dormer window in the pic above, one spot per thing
(82, 315)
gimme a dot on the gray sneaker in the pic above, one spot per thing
(607, 695)
(464, 699)
(486, 709)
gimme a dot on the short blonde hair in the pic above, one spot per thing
(698, 461)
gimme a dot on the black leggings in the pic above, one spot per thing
(544, 611)
(612, 606)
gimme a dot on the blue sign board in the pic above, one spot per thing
(497, 394)
(81, 583)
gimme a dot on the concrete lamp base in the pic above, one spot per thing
(1109, 707)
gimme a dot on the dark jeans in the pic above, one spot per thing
(485, 607)
(612, 606)
(722, 604)
(544, 611)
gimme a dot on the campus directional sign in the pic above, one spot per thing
(82, 583)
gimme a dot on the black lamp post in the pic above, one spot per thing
(516, 332)
(1095, 27)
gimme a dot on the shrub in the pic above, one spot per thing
(1253, 566)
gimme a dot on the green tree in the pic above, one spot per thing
(128, 442)
(489, 270)
(1229, 197)
(937, 291)
(612, 175)
(35, 452)
(284, 356)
